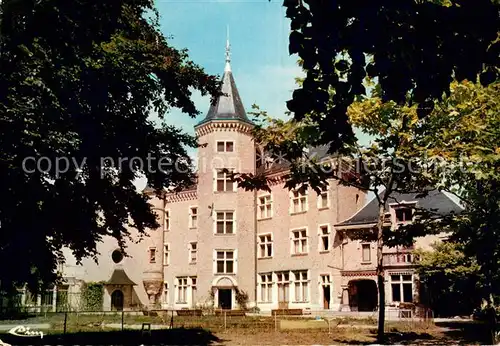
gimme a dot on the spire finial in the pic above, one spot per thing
(228, 52)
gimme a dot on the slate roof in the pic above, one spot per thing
(119, 277)
(437, 200)
(228, 106)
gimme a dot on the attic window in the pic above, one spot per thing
(404, 214)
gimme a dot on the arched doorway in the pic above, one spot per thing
(117, 300)
(362, 295)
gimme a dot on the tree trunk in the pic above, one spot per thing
(380, 275)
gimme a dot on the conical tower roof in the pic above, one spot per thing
(228, 106)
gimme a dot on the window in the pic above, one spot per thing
(166, 220)
(225, 262)
(299, 202)
(265, 207)
(116, 256)
(301, 286)
(193, 252)
(402, 288)
(266, 288)
(194, 290)
(404, 214)
(225, 146)
(324, 238)
(266, 245)
(366, 252)
(224, 182)
(283, 286)
(182, 290)
(323, 199)
(166, 254)
(299, 241)
(152, 255)
(165, 293)
(193, 217)
(224, 222)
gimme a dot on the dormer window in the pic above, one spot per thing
(404, 214)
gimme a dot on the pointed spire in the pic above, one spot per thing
(228, 53)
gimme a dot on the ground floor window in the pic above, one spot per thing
(283, 286)
(182, 286)
(301, 286)
(266, 288)
(402, 288)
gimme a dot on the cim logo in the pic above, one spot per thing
(25, 332)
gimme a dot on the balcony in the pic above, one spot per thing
(398, 259)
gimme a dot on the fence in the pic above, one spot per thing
(215, 320)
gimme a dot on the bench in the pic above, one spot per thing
(231, 313)
(287, 312)
(189, 312)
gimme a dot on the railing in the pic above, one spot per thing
(399, 258)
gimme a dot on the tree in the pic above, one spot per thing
(78, 83)
(451, 277)
(466, 144)
(413, 47)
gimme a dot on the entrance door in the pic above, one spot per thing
(326, 297)
(117, 300)
(225, 297)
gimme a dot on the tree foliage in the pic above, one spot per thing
(412, 47)
(79, 80)
(451, 279)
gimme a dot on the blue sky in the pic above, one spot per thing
(263, 70)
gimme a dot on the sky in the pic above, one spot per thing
(258, 31)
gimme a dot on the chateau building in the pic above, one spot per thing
(283, 249)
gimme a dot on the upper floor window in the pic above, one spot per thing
(299, 241)
(193, 217)
(224, 222)
(225, 262)
(225, 146)
(166, 220)
(298, 201)
(403, 214)
(324, 238)
(224, 183)
(366, 252)
(166, 254)
(193, 252)
(265, 245)
(152, 255)
(324, 199)
(265, 207)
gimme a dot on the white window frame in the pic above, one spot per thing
(166, 220)
(191, 251)
(265, 244)
(191, 224)
(181, 285)
(235, 261)
(266, 286)
(265, 208)
(225, 221)
(152, 259)
(166, 254)
(400, 283)
(283, 285)
(364, 245)
(226, 180)
(301, 284)
(303, 200)
(403, 205)
(299, 239)
(194, 287)
(321, 235)
(225, 146)
(165, 292)
(325, 192)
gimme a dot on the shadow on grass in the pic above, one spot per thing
(466, 332)
(181, 336)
